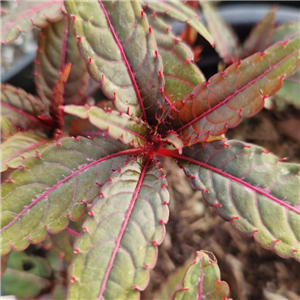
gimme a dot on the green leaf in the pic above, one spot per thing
(202, 280)
(26, 275)
(289, 93)
(172, 284)
(286, 32)
(226, 41)
(252, 189)
(121, 54)
(238, 92)
(4, 259)
(20, 146)
(60, 244)
(27, 15)
(179, 11)
(7, 128)
(55, 186)
(57, 47)
(261, 35)
(172, 139)
(181, 73)
(134, 208)
(23, 110)
(120, 126)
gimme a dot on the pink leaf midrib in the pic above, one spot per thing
(131, 75)
(123, 128)
(236, 92)
(64, 44)
(171, 153)
(24, 150)
(59, 183)
(32, 11)
(200, 285)
(24, 114)
(123, 227)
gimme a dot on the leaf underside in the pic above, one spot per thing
(181, 73)
(226, 41)
(57, 47)
(54, 187)
(202, 280)
(20, 146)
(27, 15)
(260, 36)
(119, 126)
(120, 54)
(133, 207)
(179, 11)
(252, 189)
(23, 110)
(238, 92)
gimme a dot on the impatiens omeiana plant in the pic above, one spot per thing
(109, 171)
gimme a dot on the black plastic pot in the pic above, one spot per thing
(243, 16)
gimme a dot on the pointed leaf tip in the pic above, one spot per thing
(181, 12)
(202, 280)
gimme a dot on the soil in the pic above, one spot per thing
(251, 272)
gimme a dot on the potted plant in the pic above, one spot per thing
(103, 191)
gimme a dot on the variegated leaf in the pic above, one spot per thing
(238, 92)
(120, 54)
(54, 187)
(120, 126)
(23, 110)
(57, 47)
(180, 71)
(177, 10)
(251, 188)
(202, 280)
(125, 226)
(20, 146)
(27, 15)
